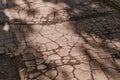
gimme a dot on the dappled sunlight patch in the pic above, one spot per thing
(6, 27)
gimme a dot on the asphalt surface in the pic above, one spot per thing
(59, 40)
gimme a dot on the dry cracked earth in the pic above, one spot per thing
(59, 40)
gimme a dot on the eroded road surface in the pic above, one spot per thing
(61, 39)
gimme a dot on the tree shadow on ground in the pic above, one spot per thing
(94, 21)
(12, 32)
(7, 64)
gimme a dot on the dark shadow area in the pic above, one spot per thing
(12, 32)
(112, 3)
(30, 11)
(8, 66)
(21, 29)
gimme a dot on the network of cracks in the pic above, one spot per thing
(61, 40)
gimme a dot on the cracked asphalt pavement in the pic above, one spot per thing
(59, 40)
